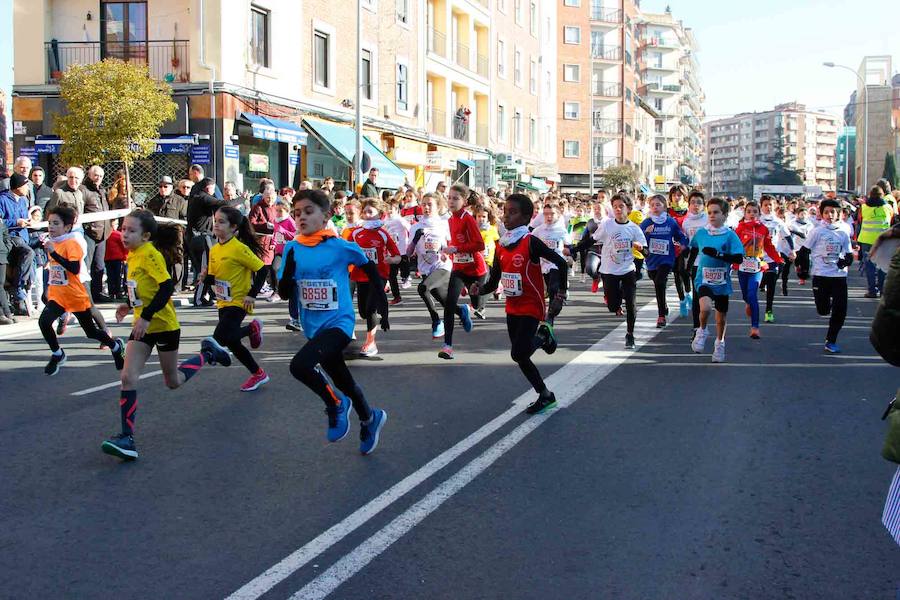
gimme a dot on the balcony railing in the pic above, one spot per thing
(607, 126)
(437, 122)
(462, 55)
(607, 90)
(605, 162)
(167, 60)
(604, 14)
(461, 127)
(437, 42)
(611, 53)
(482, 65)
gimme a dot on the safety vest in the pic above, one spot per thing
(875, 219)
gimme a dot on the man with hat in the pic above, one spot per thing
(14, 212)
(171, 205)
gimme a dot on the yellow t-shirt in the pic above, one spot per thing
(146, 271)
(232, 264)
(490, 237)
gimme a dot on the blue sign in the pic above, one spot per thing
(293, 159)
(200, 154)
(31, 152)
(232, 151)
(168, 148)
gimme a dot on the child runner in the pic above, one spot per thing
(379, 248)
(555, 236)
(339, 220)
(678, 209)
(153, 250)
(619, 236)
(283, 232)
(398, 228)
(577, 224)
(487, 223)
(519, 256)
(592, 249)
(237, 274)
(66, 291)
(662, 233)
(757, 243)
(317, 262)
(466, 246)
(694, 220)
(831, 254)
(718, 248)
(800, 229)
(780, 234)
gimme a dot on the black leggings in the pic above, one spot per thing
(592, 263)
(831, 298)
(785, 273)
(362, 302)
(660, 278)
(521, 333)
(229, 332)
(682, 274)
(433, 290)
(325, 353)
(451, 305)
(695, 301)
(621, 288)
(770, 281)
(403, 270)
(53, 311)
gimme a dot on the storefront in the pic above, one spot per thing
(265, 148)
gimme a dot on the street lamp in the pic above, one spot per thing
(865, 181)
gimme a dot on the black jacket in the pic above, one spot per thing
(173, 206)
(200, 211)
(95, 201)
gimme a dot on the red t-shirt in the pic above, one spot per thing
(115, 249)
(411, 214)
(466, 237)
(377, 244)
(523, 283)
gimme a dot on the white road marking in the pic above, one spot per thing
(106, 386)
(568, 383)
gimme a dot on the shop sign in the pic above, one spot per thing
(293, 159)
(232, 151)
(508, 174)
(200, 154)
(433, 160)
(31, 152)
(19, 128)
(258, 163)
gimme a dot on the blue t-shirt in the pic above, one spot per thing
(323, 283)
(712, 272)
(660, 249)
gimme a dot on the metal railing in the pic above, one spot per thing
(483, 65)
(601, 162)
(460, 127)
(607, 90)
(437, 122)
(601, 52)
(437, 42)
(604, 14)
(462, 55)
(607, 126)
(166, 60)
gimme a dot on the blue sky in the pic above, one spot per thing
(754, 55)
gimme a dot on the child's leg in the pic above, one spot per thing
(167, 351)
(629, 293)
(721, 317)
(392, 279)
(404, 267)
(229, 333)
(592, 265)
(521, 331)
(838, 307)
(429, 300)
(613, 292)
(52, 311)
(679, 276)
(822, 295)
(336, 368)
(705, 304)
(770, 280)
(87, 321)
(450, 305)
(753, 294)
(136, 355)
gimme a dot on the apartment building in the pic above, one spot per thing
(737, 148)
(845, 159)
(877, 119)
(669, 73)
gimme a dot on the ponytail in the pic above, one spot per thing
(165, 237)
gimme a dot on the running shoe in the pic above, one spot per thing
(784, 290)
(770, 316)
(56, 361)
(368, 434)
(832, 348)
(121, 446)
(446, 352)
(338, 422)
(546, 338)
(465, 317)
(682, 308)
(541, 404)
(62, 324)
(254, 381)
(620, 312)
(699, 342)
(294, 325)
(595, 286)
(479, 314)
(437, 330)
(754, 333)
(748, 310)
(870, 295)
(801, 281)
(496, 295)
(660, 322)
(718, 355)
(629, 341)
(583, 278)
(256, 335)
(118, 354)
(214, 353)
(405, 284)
(274, 298)
(368, 350)
(4, 320)
(396, 301)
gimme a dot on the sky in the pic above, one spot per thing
(754, 55)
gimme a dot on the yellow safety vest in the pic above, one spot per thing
(875, 219)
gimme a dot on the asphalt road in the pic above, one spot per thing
(670, 478)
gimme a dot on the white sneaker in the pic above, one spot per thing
(718, 355)
(699, 340)
(405, 283)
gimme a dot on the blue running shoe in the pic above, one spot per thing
(214, 353)
(465, 317)
(121, 446)
(437, 330)
(368, 434)
(832, 348)
(338, 423)
(683, 307)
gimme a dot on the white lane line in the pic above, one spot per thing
(106, 386)
(569, 382)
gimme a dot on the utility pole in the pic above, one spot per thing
(358, 158)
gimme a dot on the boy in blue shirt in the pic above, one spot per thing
(718, 248)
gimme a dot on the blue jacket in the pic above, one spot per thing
(11, 210)
(660, 248)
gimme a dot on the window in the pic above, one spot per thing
(574, 3)
(517, 67)
(658, 147)
(517, 128)
(658, 103)
(366, 75)
(501, 59)
(533, 18)
(402, 87)
(532, 77)
(259, 36)
(123, 30)
(572, 35)
(321, 59)
(571, 149)
(518, 9)
(571, 110)
(628, 129)
(532, 134)
(403, 11)
(501, 123)
(501, 5)
(572, 73)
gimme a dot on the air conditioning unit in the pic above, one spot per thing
(503, 159)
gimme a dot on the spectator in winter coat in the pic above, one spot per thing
(22, 166)
(95, 232)
(14, 213)
(42, 191)
(69, 193)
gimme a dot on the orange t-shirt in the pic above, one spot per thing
(65, 288)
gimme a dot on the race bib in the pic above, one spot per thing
(714, 275)
(371, 254)
(279, 237)
(463, 258)
(318, 294)
(57, 275)
(621, 248)
(131, 289)
(832, 252)
(512, 284)
(658, 246)
(222, 289)
(750, 264)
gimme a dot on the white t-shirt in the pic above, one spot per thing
(617, 239)
(828, 243)
(555, 237)
(779, 233)
(435, 236)
(691, 224)
(398, 229)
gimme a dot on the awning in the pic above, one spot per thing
(276, 130)
(181, 144)
(341, 142)
(646, 189)
(523, 185)
(468, 164)
(540, 184)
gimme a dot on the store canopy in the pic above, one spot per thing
(276, 130)
(465, 163)
(181, 144)
(341, 142)
(524, 185)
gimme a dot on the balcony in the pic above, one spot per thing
(437, 42)
(461, 125)
(611, 127)
(437, 122)
(607, 90)
(167, 60)
(462, 55)
(602, 14)
(482, 63)
(608, 53)
(604, 162)
(661, 43)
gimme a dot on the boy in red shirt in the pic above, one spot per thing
(380, 248)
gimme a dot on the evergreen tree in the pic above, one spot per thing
(780, 168)
(890, 170)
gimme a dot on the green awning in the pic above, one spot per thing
(522, 185)
(341, 142)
